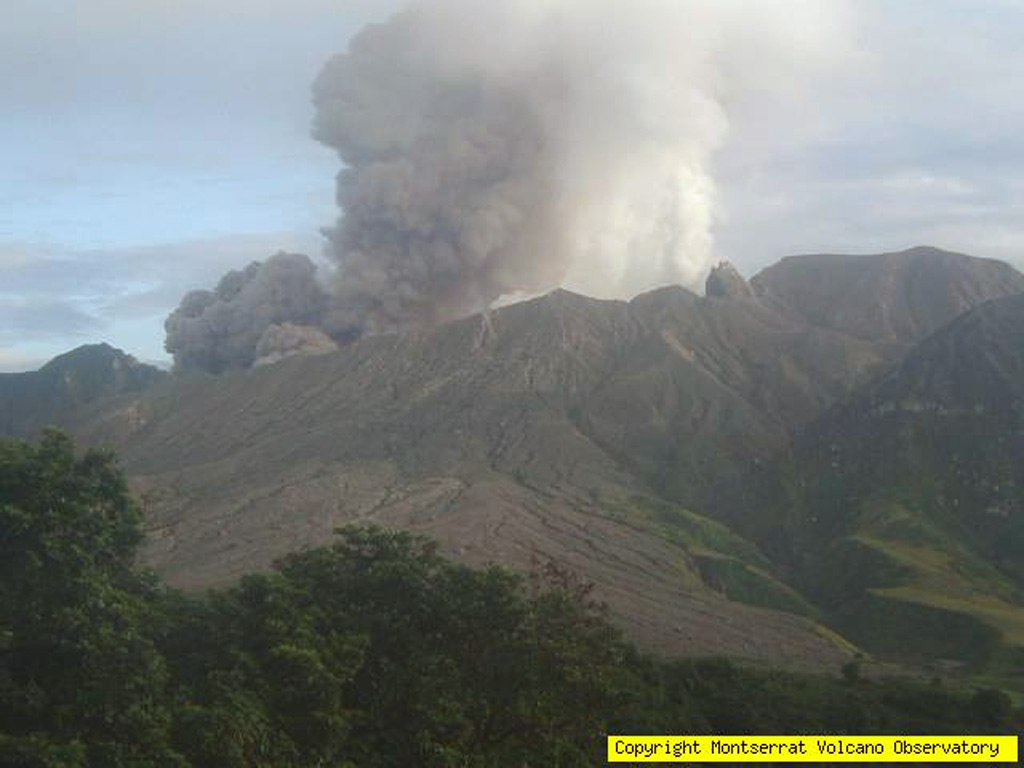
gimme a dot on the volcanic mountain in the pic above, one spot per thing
(631, 441)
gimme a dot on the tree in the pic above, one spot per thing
(80, 680)
(375, 651)
(460, 667)
(262, 677)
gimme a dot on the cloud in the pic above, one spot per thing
(35, 320)
(14, 361)
(60, 294)
(917, 142)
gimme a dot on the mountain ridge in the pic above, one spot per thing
(900, 296)
(910, 495)
(627, 440)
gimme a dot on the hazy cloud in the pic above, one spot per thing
(119, 295)
(44, 319)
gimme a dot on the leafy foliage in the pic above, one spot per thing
(77, 661)
(374, 651)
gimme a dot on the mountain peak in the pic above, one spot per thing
(69, 381)
(89, 354)
(725, 282)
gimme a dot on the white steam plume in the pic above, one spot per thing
(511, 146)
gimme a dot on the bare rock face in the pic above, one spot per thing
(725, 282)
(284, 340)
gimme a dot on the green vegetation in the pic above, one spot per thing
(743, 583)
(719, 559)
(81, 679)
(894, 571)
(374, 651)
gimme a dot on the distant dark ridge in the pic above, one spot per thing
(897, 297)
(51, 395)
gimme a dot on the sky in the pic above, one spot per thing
(148, 147)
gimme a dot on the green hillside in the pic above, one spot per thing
(905, 505)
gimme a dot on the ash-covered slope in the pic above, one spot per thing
(541, 431)
(912, 515)
(59, 391)
(897, 297)
(714, 386)
(592, 432)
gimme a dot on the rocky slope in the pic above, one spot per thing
(608, 435)
(536, 433)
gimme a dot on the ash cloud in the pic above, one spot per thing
(217, 330)
(284, 340)
(504, 148)
(512, 146)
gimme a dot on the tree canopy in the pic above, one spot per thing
(374, 651)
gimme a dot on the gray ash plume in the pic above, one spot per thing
(500, 149)
(217, 330)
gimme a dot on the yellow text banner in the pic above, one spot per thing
(812, 749)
